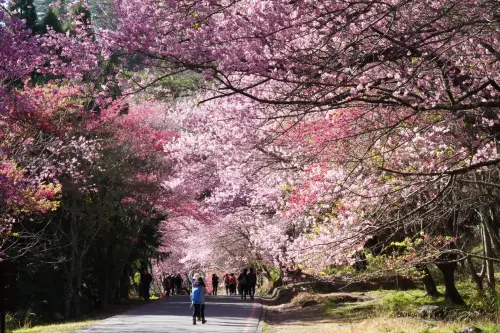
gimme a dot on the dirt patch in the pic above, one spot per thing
(307, 299)
(309, 303)
(318, 308)
(286, 294)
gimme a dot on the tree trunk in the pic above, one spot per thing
(103, 287)
(266, 273)
(124, 284)
(68, 301)
(488, 253)
(495, 242)
(429, 284)
(113, 284)
(451, 292)
(3, 311)
(77, 296)
(74, 254)
(477, 278)
(279, 281)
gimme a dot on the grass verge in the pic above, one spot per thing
(58, 328)
(386, 311)
(70, 326)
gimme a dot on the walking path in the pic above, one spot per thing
(224, 314)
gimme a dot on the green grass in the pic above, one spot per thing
(481, 310)
(69, 326)
(350, 310)
(406, 302)
(393, 311)
(57, 328)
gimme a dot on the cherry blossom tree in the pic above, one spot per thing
(366, 103)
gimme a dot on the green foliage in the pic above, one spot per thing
(92, 240)
(82, 14)
(492, 327)
(51, 20)
(427, 330)
(26, 11)
(180, 85)
(341, 271)
(23, 318)
(406, 302)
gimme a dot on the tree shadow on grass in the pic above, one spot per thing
(322, 313)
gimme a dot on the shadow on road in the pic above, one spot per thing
(225, 314)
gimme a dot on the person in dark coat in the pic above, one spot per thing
(252, 282)
(242, 280)
(215, 284)
(225, 279)
(178, 284)
(146, 280)
(168, 285)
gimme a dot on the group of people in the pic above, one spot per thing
(172, 284)
(245, 283)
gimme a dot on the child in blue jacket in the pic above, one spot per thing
(198, 300)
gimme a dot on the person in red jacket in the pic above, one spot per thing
(232, 284)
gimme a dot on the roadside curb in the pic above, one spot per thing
(262, 318)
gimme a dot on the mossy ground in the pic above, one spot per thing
(384, 311)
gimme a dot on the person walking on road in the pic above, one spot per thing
(178, 284)
(252, 282)
(193, 277)
(198, 300)
(215, 284)
(242, 280)
(225, 279)
(232, 284)
(167, 285)
(146, 280)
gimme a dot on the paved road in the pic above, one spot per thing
(224, 314)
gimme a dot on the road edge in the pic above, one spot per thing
(262, 318)
(148, 303)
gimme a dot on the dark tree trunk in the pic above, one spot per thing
(404, 283)
(78, 288)
(104, 289)
(488, 253)
(124, 284)
(267, 274)
(2, 298)
(448, 271)
(113, 285)
(478, 278)
(429, 284)
(68, 300)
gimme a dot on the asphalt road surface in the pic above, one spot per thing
(224, 314)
